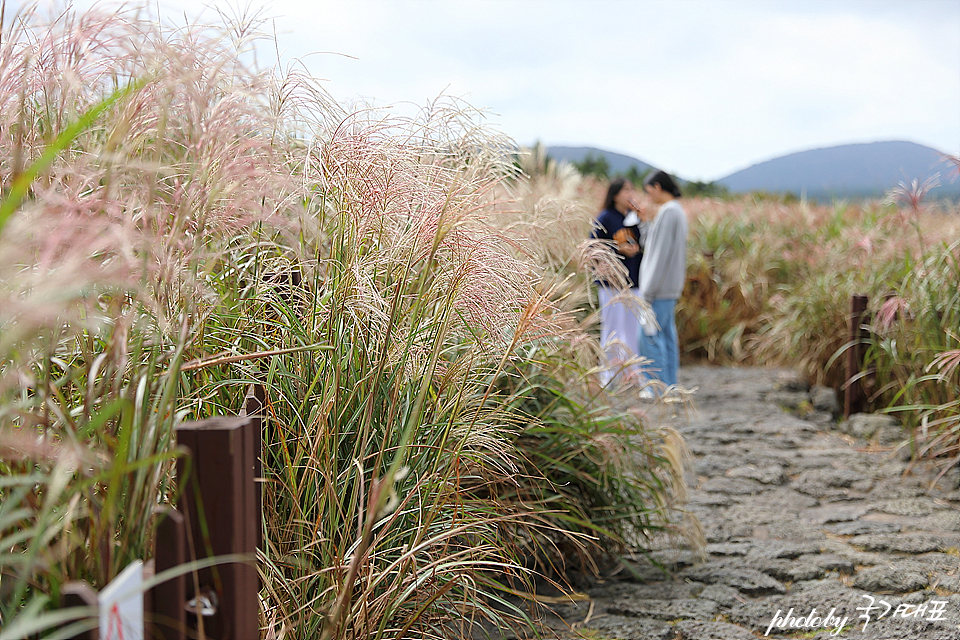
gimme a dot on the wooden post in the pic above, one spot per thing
(218, 494)
(80, 594)
(167, 615)
(854, 398)
(254, 407)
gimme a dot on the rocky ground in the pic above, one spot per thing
(815, 528)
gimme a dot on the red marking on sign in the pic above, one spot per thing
(115, 621)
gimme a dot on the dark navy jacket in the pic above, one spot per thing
(609, 226)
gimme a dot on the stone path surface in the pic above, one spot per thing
(815, 528)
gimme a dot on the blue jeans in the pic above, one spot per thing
(662, 348)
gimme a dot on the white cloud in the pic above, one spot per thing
(699, 87)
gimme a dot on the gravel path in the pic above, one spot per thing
(810, 526)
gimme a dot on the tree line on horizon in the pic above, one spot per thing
(597, 166)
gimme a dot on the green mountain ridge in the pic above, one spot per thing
(844, 171)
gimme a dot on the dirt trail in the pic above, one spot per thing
(809, 530)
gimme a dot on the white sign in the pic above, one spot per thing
(121, 605)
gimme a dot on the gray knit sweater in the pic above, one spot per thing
(663, 270)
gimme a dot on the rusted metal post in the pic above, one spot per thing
(854, 398)
(218, 498)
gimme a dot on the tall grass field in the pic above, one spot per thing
(177, 222)
(415, 296)
(772, 283)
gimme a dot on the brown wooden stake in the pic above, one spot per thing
(218, 494)
(167, 616)
(80, 594)
(254, 407)
(854, 398)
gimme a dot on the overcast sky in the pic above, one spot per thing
(700, 88)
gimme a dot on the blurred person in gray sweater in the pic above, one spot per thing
(663, 272)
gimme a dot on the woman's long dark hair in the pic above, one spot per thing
(616, 186)
(666, 183)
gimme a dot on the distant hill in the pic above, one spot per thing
(618, 162)
(848, 171)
